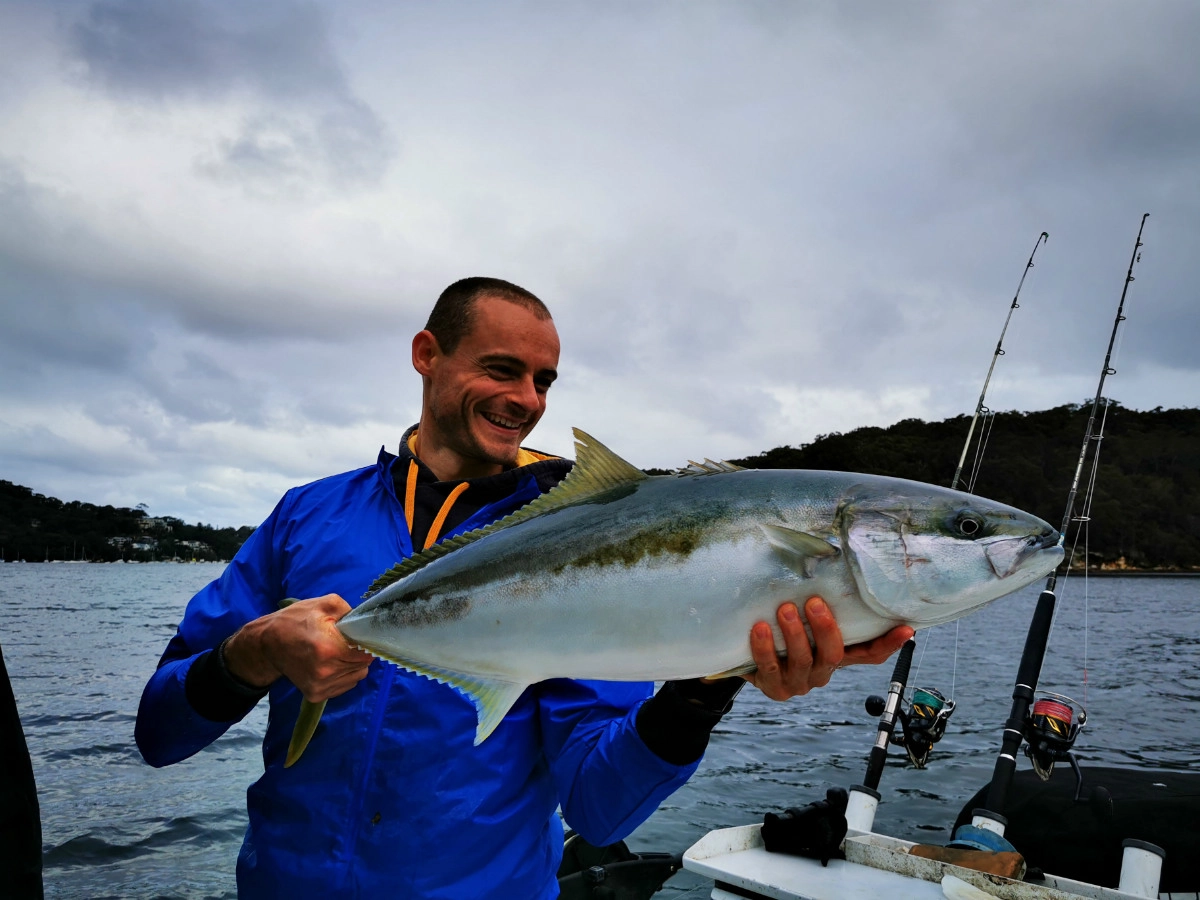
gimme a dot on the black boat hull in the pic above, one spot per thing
(1082, 839)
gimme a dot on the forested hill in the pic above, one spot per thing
(38, 528)
(1146, 512)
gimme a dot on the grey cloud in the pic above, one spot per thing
(47, 320)
(1164, 301)
(1064, 96)
(279, 154)
(649, 311)
(37, 449)
(190, 48)
(68, 294)
(312, 127)
(192, 389)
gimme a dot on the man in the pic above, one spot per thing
(392, 797)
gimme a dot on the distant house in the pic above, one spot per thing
(197, 547)
(145, 545)
(154, 525)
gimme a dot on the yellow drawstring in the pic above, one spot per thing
(436, 527)
(410, 503)
(410, 494)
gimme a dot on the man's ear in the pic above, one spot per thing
(425, 351)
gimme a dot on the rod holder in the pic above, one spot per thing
(860, 810)
(1141, 868)
(989, 821)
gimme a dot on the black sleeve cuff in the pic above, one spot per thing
(215, 693)
(675, 723)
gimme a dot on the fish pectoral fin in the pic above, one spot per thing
(306, 724)
(799, 548)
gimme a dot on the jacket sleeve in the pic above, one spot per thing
(169, 727)
(608, 780)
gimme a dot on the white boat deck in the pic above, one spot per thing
(876, 866)
(736, 857)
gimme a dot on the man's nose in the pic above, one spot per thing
(525, 395)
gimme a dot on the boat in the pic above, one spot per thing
(1069, 844)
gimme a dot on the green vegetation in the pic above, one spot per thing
(1146, 510)
(1145, 515)
(37, 528)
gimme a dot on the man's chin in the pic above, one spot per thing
(498, 447)
(501, 454)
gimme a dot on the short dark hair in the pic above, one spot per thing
(453, 314)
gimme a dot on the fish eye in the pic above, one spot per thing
(968, 524)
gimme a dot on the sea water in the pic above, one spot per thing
(80, 640)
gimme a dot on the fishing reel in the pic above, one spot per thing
(921, 725)
(1050, 731)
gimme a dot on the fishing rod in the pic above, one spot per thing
(1049, 730)
(924, 723)
(863, 799)
(979, 407)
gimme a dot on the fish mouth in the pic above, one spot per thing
(1047, 537)
(1010, 555)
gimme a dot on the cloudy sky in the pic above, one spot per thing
(221, 223)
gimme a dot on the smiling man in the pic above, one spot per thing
(392, 798)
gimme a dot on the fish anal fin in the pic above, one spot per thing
(736, 671)
(799, 548)
(493, 697)
(493, 700)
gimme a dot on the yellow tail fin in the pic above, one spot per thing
(306, 724)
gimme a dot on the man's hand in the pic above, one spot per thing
(301, 643)
(803, 669)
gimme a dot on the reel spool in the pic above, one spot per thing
(923, 724)
(1050, 731)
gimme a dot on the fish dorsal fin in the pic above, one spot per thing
(708, 467)
(596, 471)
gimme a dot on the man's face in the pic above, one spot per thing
(483, 399)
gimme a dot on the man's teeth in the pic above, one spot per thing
(501, 421)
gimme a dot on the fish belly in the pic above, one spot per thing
(658, 619)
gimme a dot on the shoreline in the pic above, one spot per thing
(1132, 573)
(1090, 573)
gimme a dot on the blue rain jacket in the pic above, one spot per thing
(391, 798)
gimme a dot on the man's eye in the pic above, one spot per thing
(501, 371)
